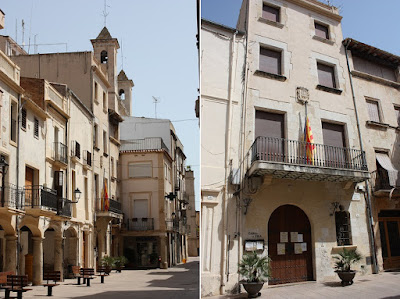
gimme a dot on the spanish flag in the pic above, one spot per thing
(104, 198)
(310, 143)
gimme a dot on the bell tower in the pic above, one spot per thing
(125, 91)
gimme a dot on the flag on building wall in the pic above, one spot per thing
(310, 143)
(105, 201)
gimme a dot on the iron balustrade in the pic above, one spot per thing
(41, 197)
(115, 206)
(140, 224)
(87, 158)
(65, 207)
(13, 197)
(60, 151)
(287, 151)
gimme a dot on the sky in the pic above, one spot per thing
(368, 21)
(158, 46)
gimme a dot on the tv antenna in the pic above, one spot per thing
(156, 100)
(105, 13)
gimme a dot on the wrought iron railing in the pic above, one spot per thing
(172, 224)
(115, 206)
(13, 197)
(380, 180)
(40, 197)
(140, 224)
(65, 207)
(60, 151)
(87, 158)
(295, 152)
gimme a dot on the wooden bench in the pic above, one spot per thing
(102, 272)
(3, 277)
(52, 276)
(87, 274)
(16, 283)
(76, 273)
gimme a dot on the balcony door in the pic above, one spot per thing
(269, 127)
(334, 145)
(289, 245)
(29, 191)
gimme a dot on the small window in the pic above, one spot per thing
(104, 102)
(140, 170)
(103, 56)
(122, 94)
(373, 111)
(23, 118)
(105, 142)
(321, 30)
(96, 91)
(95, 138)
(36, 129)
(343, 227)
(397, 110)
(270, 61)
(77, 150)
(270, 13)
(13, 132)
(112, 167)
(326, 75)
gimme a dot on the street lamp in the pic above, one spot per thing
(77, 195)
(4, 168)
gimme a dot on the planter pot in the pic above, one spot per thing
(346, 277)
(252, 288)
(107, 269)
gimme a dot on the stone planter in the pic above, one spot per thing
(346, 277)
(252, 288)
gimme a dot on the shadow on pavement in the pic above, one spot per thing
(164, 294)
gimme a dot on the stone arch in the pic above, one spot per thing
(71, 252)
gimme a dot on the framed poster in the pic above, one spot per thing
(281, 248)
(284, 237)
(298, 248)
(293, 236)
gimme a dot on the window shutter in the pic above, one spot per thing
(321, 31)
(140, 170)
(270, 13)
(269, 124)
(23, 121)
(373, 111)
(36, 130)
(270, 61)
(326, 75)
(333, 134)
(77, 150)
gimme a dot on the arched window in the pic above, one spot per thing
(122, 94)
(103, 56)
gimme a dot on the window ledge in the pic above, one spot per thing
(96, 148)
(337, 249)
(383, 126)
(375, 78)
(105, 155)
(329, 89)
(269, 22)
(324, 40)
(270, 75)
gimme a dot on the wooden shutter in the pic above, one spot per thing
(270, 61)
(269, 124)
(270, 13)
(58, 182)
(137, 170)
(23, 121)
(321, 31)
(36, 130)
(326, 75)
(333, 134)
(373, 111)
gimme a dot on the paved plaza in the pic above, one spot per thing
(384, 285)
(181, 281)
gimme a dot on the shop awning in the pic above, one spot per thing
(384, 161)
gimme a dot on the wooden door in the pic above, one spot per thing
(289, 245)
(334, 141)
(29, 192)
(389, 228)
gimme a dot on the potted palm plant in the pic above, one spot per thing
(343, 262)
(107, 262)
(255, 270)
(120, 262)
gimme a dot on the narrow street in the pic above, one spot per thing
(181, 281)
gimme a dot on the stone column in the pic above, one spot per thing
(37, 260)
(101, 242)
(11, 253)
(164, 252)
(58, 255)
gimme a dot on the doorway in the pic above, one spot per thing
(289, 245)
(389, 227)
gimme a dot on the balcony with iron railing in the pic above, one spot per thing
(60, 153)
(114, 206)
(140, 224)
(65, 207)
(284, 158)
(40, 197)
(87, 159)
(12, 198)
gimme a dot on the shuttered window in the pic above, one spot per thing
(23, 118)
(326, 75)
(140, 170)
(77, 150)
(321, 31)
(373, 111)
(270, 61)
(334, 152)
(13, 118)
(269, 124)
(271, 13)
(343, 228)
(36, 128)
(397, 110)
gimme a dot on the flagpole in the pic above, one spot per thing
(305, 133)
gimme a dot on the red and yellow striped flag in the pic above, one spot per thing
(310, 143)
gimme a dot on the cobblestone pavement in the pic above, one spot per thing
(384, 285)
(181, 281)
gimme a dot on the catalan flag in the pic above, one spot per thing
(105, 201)
(310, 143)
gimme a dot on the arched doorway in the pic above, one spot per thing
(289, 245)
(70, 250)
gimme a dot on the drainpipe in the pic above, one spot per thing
(224, 249)
(17, 177)
(375, 269)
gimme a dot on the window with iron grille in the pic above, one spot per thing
(36, 129)
(343, 228)
(23, 118)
